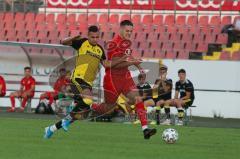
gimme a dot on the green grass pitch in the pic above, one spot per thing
(23, 139)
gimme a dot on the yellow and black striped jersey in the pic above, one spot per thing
(87, 60)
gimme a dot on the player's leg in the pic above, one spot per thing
(179, 103)
(166, 105)
(12, 99)
(134, 98)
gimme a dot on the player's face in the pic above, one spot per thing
(93, 37)
(141, 80)
(162, 71)
(126, 32)
(27, 72)
(182, 76)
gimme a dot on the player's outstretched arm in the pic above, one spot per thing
(68, 41)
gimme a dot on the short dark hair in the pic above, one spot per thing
(141, 75)
(93, 28)
(27, 68)
(126, 22)
(181, 71)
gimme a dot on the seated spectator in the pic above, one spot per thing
(26, 91)
(163, 89)
(185, 89)
(2, 87)
(233, 31)
(58, 88)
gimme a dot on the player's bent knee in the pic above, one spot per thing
(88, 101)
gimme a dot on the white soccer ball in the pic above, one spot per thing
(170, 135)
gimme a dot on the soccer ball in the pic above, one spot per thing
(170, 135)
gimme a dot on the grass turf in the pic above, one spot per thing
(23, 139)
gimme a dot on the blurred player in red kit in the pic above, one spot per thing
(26, 90)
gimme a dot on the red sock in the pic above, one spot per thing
(12, 99)
(50, 99)
(142, 114)
(24, 101)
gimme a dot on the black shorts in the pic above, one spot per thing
(161, 98)
(78, 85)
(188, 103)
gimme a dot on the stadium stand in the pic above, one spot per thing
(187, 33)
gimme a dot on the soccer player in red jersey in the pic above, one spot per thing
(59, 86)
(118, 79)
(2, 87)
(26, 90)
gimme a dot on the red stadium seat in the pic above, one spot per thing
(125, 17)
(136, 54)
(21, 33)
(210, 38)
(182, 54)
(53, 34)
(74, 33)
(82, 19)
(9, 16)
(181, 20)
(201, 47)
(158, 20)
(175, 37)
(178, 46)
(183, 29)
(63, 34)
(236, 56)
(103, 19)
(19, 16)
(192, 20)
(20, 25)
(1, 16)
(203, 20)
(29, 17)
(222, 39)
(167, 46)
(50, 18)
(148, 53)
(83, 27)
(51, 26)
(143, 45)
(42, 34)
(216, 30)
(32, 34)
(71, 19)
(160, 54)
(205, 30)
(61, 18)
(172, 29)
(115, 28)
(169, 20)
(194, 29)
(73, 26)
(149, 28)
(92, 19)
(114, 19)
(41, 26)
(147, 19)
(40, 18)
(136, 19)
(160, 29)
(170, 54)
(187, 37)
(226, 20)
(61, 26)
(189, 46)
(164, 37)
(10, 25)
(152, 36)
(225, 55)
(11, 35)
(215, 21)
(141, 37)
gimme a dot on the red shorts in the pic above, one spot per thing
(2, 94)
(116, 84)
(30, 95)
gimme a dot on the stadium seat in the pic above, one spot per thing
(169, 20)
(225, 55)
(136, 19)
(222, 39)
(181, 20)
(201, 47)
(41, 26)
(61, 18)
(183, 29)
(11, 35)
(31, 26)
(73, 26)
(216, 30)
(148, 53)
(53, 34)
(205, 30)
(125, 17)
(20, 25)
(82, 19)
(160, 54)
(9, 25)
(198, 38)
(19, 16)
(236, 56)
(187, 37)
(40, 18)
(63, 34)
(158, 20)
(164, 37)
(175, 37)
(9, 16)
(189, 46)
(171, 29)
(152, 36)
(71, 19)
(74, 33)
(167, 45)
(148, 28)
(170, 54)
(160, 29)
(210, 38)
(215, 21)
(92, 19)
(137, 54)
(42, 34)
(29, 17)
(103, 19)
(203, 20)
(192, 20)
(143, 45)
(50, 18)
(83, 27)
(147, 19)
(182, 54)
(21, 33)
(178, 45)
(51, 26)
(1, 16)
(61, 26)
(114, 19)
(194, 29)
(226, 20)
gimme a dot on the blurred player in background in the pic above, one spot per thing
(59, 86)
(26, 91)
(2, 87)
(184, 95)
(118, 80)
(163, 89)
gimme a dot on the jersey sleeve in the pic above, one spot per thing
(76, 44)
(33, 82)
(103, 53)
(176, 86)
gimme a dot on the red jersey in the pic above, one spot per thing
(3, 84)
(27, 83)
(120, 48)
(61, 82)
